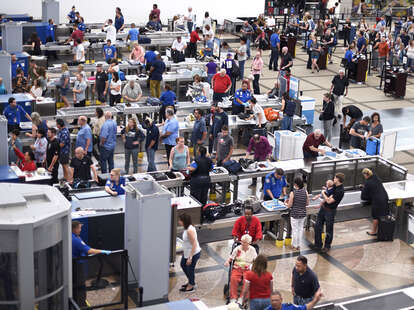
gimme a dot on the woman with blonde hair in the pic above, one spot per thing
(37, 123)
(259, 283)
(376, 195)
(315, 50)
(115, 184)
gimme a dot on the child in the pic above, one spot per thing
(328, 191)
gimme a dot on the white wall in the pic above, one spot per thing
(138, 10)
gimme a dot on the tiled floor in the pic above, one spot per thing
(357, 264)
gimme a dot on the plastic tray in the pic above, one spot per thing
(271, 206)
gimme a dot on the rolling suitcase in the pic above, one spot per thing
(386, 227)
(372, 146)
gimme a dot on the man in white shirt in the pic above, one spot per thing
(258, 113)
(110, 31)
(179, 45)
(79, 52)
(178, 48)
(190, 18)
(208, 32)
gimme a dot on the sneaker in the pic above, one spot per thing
(335, 121)
(325, 250)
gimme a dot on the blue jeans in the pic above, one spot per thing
(248, 48)
(241, 66)
(287, 122)
(274, 57)
(300, 301)
(107, 156)
(324, 216)
(151, 160)
(190, 26)
(209, 77)
(189, 270)
(259, 303)
(134, 154)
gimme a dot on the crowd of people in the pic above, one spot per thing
(210, 138)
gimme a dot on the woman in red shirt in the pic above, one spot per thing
(259, 282)
(27, 160)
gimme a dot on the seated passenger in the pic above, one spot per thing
(115, 185)
(243, 257)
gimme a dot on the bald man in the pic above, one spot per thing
(286, 61)
(107, 143)
(84, 137)
(311, 148)
(80, 168)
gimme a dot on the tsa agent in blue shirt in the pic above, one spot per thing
(109, 51)
(50, 31)
(149, 57)
(275, 185)
(82, 26)
(79, 247)
(167, 98)
(13, 114)
(169, 131)
(348, 55)
(276, 303)
(242, 97)
(84, 137)
(115, 184)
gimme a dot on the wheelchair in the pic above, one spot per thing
(226, 289)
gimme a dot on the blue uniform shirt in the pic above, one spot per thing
(275, 185)
(119, 22)
(150, 56)
(109, 51)
(108, 131)
(243, 95)
(168, 98)
(84, 133)
(13, 114)
(50, 31)
(14, 66)
(72, 16)
(288, 307)
(133, 34)
(274, 40)
(82, 27)
(171, 125)
(79, 248)
(116, 188)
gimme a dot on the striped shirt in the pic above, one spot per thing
(298, 209)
